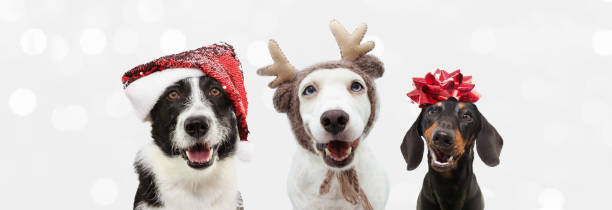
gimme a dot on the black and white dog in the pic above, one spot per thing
(190, 163)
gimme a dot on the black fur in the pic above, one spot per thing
(147, 190)
(457, 188)
(164, 119)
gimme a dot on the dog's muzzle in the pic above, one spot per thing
(200, 154)
(338, 153)
(443, 158)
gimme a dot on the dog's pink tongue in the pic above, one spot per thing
(199, 154)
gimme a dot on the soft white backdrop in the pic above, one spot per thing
(543, 67)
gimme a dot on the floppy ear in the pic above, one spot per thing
(412, 146)
(370, 65)
(488, 143)
(282, 98)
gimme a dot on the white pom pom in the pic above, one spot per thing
(245, 151)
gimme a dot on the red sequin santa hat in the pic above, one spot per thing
(145, 83)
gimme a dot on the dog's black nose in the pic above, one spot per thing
(334, 121)
(197, 126)
(443, 139)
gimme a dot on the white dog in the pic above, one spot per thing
(331, 107)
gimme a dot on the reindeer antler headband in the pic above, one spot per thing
(349, 44)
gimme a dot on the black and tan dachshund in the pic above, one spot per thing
(451, 129)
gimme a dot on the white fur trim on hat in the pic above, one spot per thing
(245, 151)
(144, 92)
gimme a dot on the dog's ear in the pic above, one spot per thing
(370, 65)
(412, 145)
(282, 97)
(488, 143)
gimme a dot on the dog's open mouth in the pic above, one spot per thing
(441, 161)
(338, 153)
(199, 156)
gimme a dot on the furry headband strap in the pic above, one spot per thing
(349, 186)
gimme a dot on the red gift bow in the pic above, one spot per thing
(429, 90)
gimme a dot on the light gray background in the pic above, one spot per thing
(69, 135)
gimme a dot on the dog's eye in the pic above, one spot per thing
(214, 92)
(309, 90)
(432, 111)
(356, 87)
(467, 117)
(173, 96)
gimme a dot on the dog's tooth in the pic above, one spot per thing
(433, 154)
(209, 156)
(348, 152)
(327, 152)
(451, 158)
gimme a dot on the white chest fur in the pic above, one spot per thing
(183, 188)
(308, 172)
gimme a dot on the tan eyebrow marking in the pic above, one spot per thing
(461, 105)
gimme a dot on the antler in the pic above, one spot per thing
(281, 68)
(350, 44)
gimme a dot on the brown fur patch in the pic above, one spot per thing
(429, 133)
(461, 105)
(459, 145)
(458, 148)
(439, 104)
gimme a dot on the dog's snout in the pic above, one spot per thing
(443, 139)
(334, 121)
(445, 124)
(197, 126)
